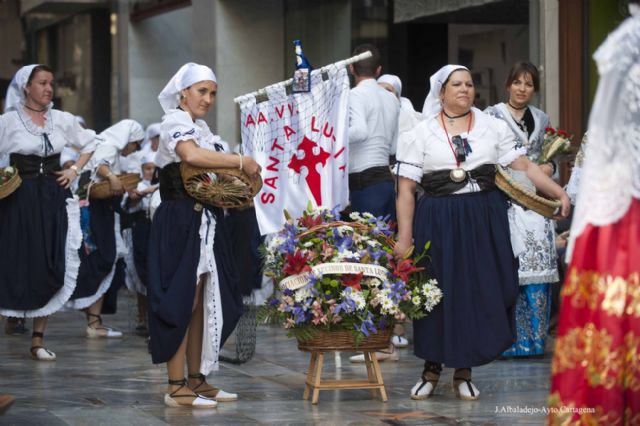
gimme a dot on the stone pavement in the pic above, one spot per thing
(100, 382)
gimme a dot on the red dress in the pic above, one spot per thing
(596, 365)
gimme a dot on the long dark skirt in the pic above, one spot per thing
(34, 229)
(246, 241)
(97, 267)
(474, 264)
(140, 232)
(174, 253)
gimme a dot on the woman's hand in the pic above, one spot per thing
(565, 208)
(401, 248)
(250, 166)
(116, 185)
(66, 177)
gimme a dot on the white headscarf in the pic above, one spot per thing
(188, 74)
(432, 105)
(15, 92)
(393, 80)
(152, 131)
(123, 132)
(148, 157)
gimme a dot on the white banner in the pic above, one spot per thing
(295, 282)
(301, 142)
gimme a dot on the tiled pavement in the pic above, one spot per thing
(100, 382)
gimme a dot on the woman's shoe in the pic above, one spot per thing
(399, 341)
(98, 330)
(40, 353)
(212, 392)
(174, 400)
(463, 388)
(429, 380)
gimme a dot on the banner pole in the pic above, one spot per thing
(343, 63)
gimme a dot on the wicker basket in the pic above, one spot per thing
(102, 190)
(229, 188)
(10, 186)
(524, 197)
(355, 225)
(342, 340)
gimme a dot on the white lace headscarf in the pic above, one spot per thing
(432, 105)
(15, 93)
(188, 74)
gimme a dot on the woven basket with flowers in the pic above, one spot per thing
(220, 187)
(340, 287)
(10, 180)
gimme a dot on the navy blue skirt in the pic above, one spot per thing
(140, 231)
(174, 253)
(33, 230)
(472, 259)
(96, 266)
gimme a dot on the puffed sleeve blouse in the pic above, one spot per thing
(20, 135)
(426, 147)
(177, 125)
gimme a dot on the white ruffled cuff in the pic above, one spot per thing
(508, 158)
(408, 170)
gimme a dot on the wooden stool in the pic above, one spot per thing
(314, 378)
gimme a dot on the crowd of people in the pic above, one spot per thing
(433, 171)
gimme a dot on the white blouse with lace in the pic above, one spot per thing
(20, 135)
(426, 148)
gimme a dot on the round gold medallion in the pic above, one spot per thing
(197, 207)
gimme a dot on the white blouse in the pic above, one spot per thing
(20, 135)
(426, 148)
(178, 126)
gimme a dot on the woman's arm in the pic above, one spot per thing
(543, 182)
(405, 206)
(192, 154)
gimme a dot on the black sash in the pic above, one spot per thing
(439, 183)
(371, 176)
(171, 186)
(32, 166)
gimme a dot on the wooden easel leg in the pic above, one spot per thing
(317, 381)
(312, 366)
(370, 374)
(376, 368)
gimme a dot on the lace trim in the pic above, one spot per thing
(31, 127)
(407, 170)
(72, 265)
(213, 320)
(508, 158)
(85, 302)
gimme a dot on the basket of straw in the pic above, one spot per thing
(102, 190)
(523, 196)
(220, 187)
(344, 340)
(10, 180)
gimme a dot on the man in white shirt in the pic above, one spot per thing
(373, 126)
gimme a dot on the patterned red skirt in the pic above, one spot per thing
(596, 364)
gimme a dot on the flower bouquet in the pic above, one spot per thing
(9, 181)
(341, 277)
(555, 142)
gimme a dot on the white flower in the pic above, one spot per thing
(308, 244)
(355, 216)
(345, 228)
(302, 294)
(373, 243)
(416, 300)
(368, 215)
(9, 170)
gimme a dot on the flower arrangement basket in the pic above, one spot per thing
(220, 187)
(12, 182)
(523, 196)
(102, 190)
(343, 340)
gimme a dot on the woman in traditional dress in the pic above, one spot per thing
(39, 222)
(453, 153)
(136, 204)
(537, 267)
(99, 257)
(596, 364)
(193, 294)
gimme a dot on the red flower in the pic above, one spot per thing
(404, 268)
(563, 134)
(309, 221)
(296, 264)
(550, 130)
(353, 281)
